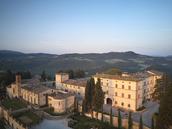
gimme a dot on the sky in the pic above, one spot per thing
(86, 26)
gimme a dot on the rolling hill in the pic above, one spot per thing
(91, 62)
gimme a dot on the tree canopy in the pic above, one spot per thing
(98, 98)
(164, 118)
(130, 122)
(119, 120)
(89, 93)
(74, 73)
(113, 71)
(141, 123)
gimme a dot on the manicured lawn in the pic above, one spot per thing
(83, 122)
(27, 118)
(13, 104)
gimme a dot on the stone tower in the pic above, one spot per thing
(60, 78)
(18, 85)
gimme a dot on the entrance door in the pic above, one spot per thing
(109, 101)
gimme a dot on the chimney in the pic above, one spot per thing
(18, 79)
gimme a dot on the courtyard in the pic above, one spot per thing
(28, 118)
(150, 108)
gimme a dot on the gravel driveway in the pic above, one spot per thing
(151, 108)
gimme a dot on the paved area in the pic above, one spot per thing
(151, 108)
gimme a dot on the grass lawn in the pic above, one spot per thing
(83, 122)
(13, 104)
(27, 118)
(51, 112)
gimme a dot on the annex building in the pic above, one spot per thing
(61, 101)
(76, 86)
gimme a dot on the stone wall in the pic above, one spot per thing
(6, 114)
(115, 120)
(15, 124)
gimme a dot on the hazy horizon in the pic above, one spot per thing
(84, 53)
(93, 26)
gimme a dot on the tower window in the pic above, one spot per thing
(122, 94)
(129, 96)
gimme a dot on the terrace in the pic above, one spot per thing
(13, 104)
(28, 118)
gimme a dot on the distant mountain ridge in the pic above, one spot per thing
(90, 62)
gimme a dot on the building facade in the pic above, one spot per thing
(36, 95)
(76, 86)
(40, 95)
(128, 91)
(14, 90)
(61, 101)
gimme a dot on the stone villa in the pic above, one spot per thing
(128, 91)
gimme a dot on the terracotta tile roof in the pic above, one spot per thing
(61, 95)
(76, 82)
(131, 77)
(36, 89)
(155, 72)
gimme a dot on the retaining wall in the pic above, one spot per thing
(115, 120)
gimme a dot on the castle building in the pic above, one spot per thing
(34, 94)
(37, 94)
(128, 91)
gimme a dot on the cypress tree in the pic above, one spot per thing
(43, 76)
(164, 118)
(141, 123)
(119, 120)
(102, 114)
(152, 124)
(87, 97)
(89, 93)
(92, 92)
(75, 105)
(111, 117)
(98, 98)
(83, 107)
(130, 121)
